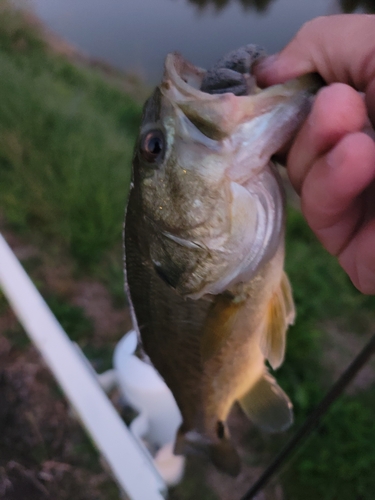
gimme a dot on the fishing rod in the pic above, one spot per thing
(312, 421)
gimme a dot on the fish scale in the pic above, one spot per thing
(153, 301)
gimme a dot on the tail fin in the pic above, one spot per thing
(221, 452)
(225, 457)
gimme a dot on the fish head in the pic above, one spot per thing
(208, 194)
(179, 168)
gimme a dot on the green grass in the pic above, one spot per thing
(66, 139)
(322, 292)
(71, 318)
(337, 462)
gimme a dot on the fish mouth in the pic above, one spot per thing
(211, 114)
(182, 78)
(218, 115)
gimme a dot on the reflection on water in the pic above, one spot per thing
(258, 5)
(354, 5)
(346, 6)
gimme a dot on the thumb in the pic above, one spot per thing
(340, 48)
(280, 67)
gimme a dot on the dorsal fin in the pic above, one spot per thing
(280, 314)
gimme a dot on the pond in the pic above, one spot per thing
(135, 35)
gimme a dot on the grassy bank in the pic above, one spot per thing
(66, 139)
(333, 322)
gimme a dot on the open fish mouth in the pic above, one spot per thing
(231, 74)
(183, 76)
(217, 115)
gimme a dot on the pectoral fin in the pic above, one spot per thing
(219, 325)
(280, 315)
(267, 405)
(286, 290)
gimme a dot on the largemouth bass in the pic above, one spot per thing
(204, 245)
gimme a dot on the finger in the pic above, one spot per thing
(340, 48)
(338, 110)
(370, 101)
(331, 195)
(358, 259)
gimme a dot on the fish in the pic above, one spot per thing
(204, 245)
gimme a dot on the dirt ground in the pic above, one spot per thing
(44, 453)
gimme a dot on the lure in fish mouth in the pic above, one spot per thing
(204, 239)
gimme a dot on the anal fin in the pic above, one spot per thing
(267, 405)
(280, 314)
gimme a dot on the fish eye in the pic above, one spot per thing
(152, 146)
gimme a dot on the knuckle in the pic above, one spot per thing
(339, 106)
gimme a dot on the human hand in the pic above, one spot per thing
(331, 162)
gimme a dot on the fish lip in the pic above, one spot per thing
(182, 77)
(218, 115)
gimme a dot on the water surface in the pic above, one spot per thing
(135, 35)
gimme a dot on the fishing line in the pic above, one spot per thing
(312, 421)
